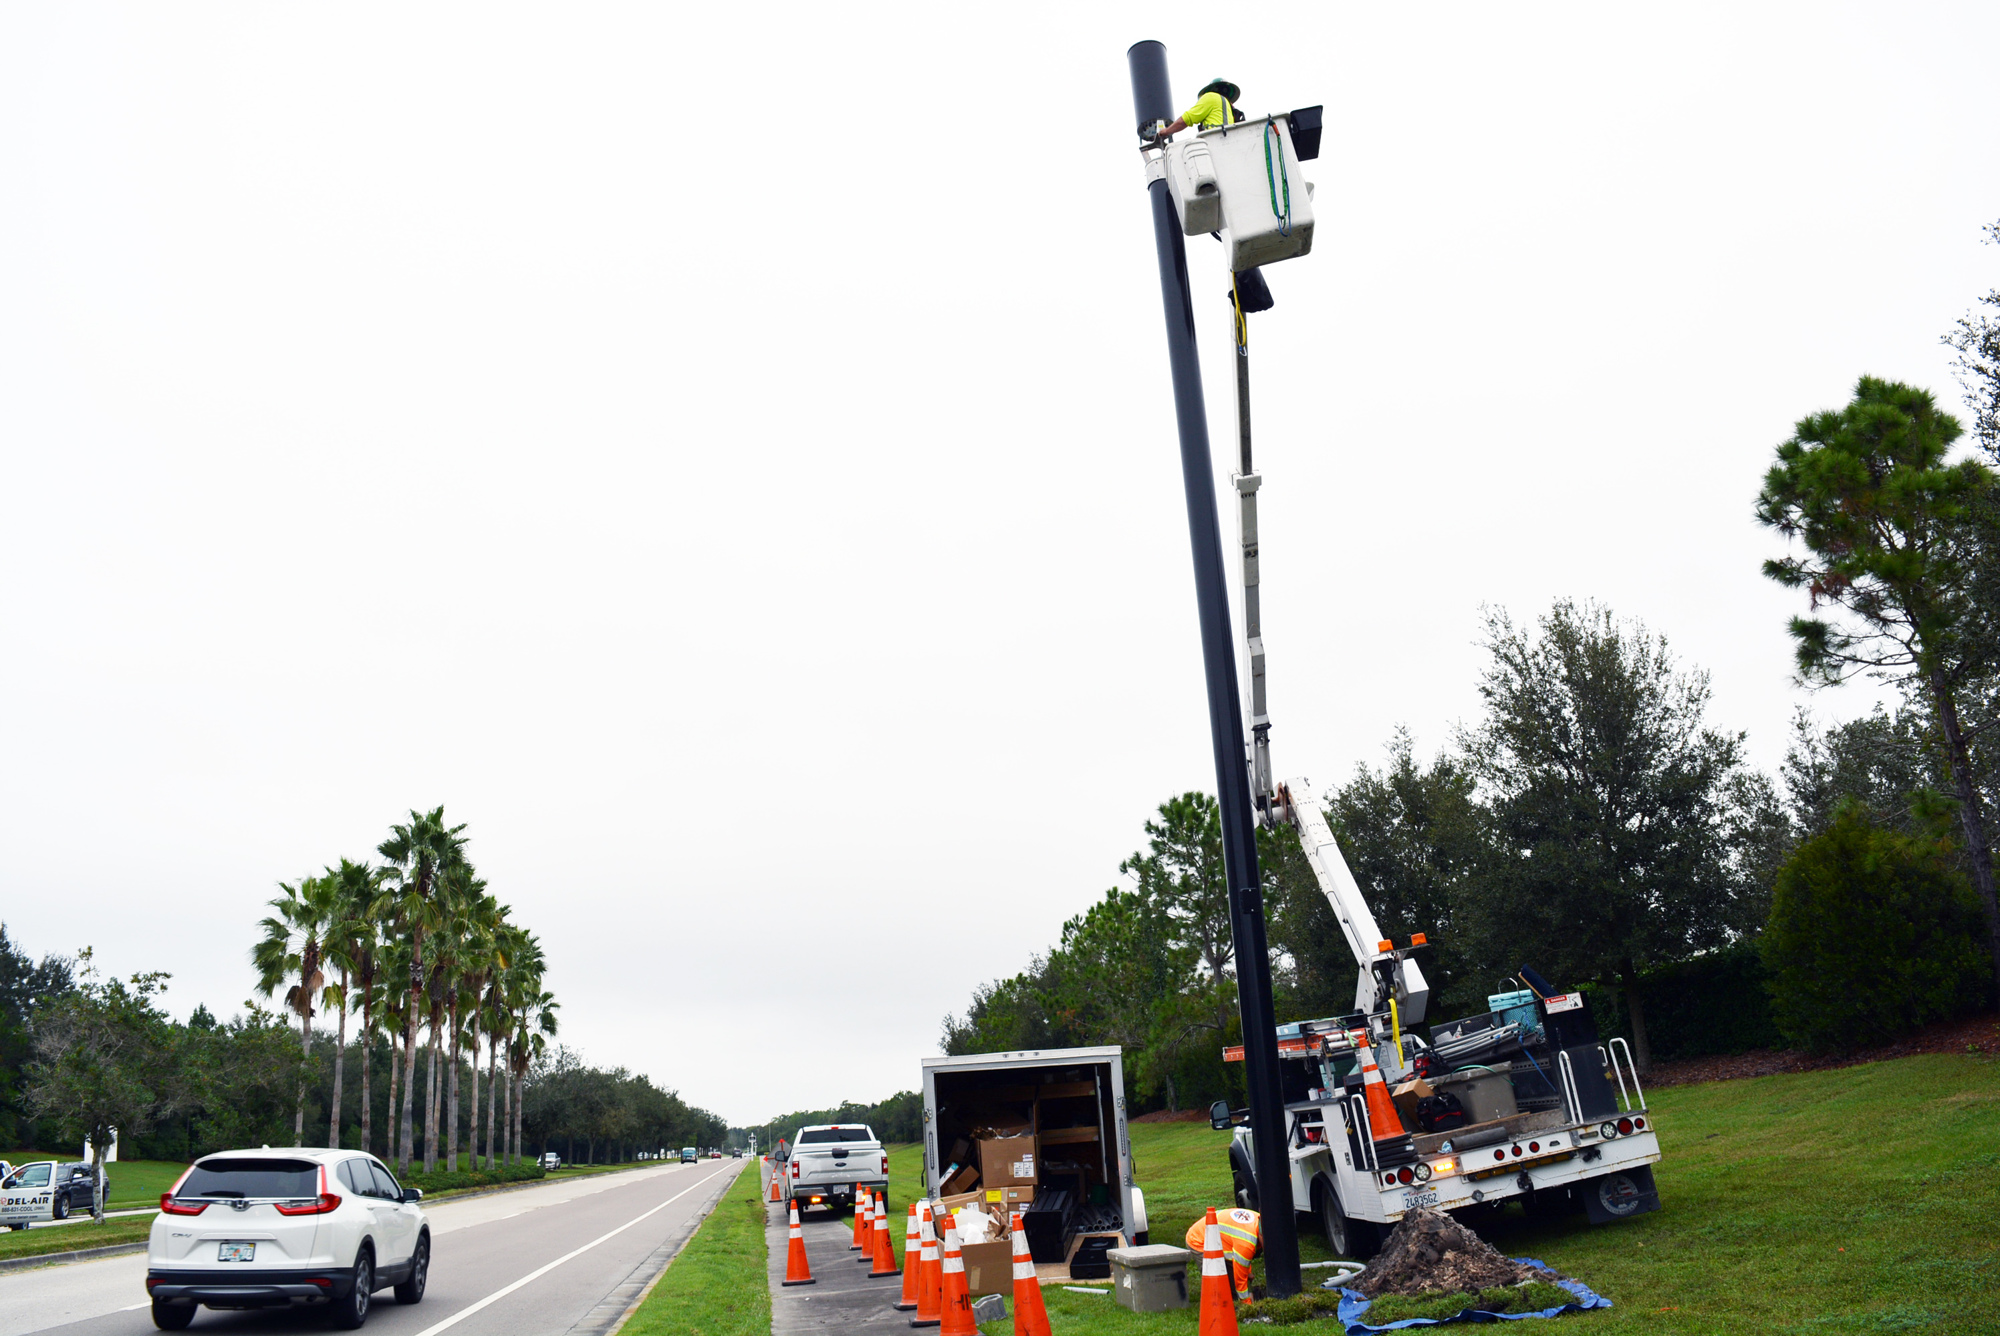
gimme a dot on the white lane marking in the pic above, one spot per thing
(133, 1308)
(543, 1270)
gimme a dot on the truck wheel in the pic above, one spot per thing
(60, 1208)
(172, 1317)
(1246, 1192)
(1332, 1223)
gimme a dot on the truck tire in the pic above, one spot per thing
(1245, 1190)
(1345, 1236)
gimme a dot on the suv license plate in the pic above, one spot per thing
(236, 1252)
(1412, 1200)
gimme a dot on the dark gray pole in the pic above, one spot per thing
(1152, 99)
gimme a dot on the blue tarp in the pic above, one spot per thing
(1354, 1308)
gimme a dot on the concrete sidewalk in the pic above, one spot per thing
(841, 1297)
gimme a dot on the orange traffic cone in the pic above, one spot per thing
(913, 1252)
(1218, 1297)
(957, 1317)
(1031, 1317)
(930, 1296)
(861, 1223)
(775, 1176)
(885, 1252)
(1383, 1123)
(797, 1272)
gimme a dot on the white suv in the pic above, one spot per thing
(276, 1228)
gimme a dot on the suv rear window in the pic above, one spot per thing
(824, 1134)
(252, 1178)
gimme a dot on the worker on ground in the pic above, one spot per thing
(1214, 105)
(1242, 1240)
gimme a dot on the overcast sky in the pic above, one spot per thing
(727, 458)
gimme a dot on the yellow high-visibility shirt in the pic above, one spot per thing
(1210, 109)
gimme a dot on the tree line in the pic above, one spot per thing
(426, 979)
(1594, 824)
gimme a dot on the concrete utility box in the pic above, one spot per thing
(1266, 207)
(1151, 1279)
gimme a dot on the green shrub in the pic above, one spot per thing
(445, 1181)
(1872, 933)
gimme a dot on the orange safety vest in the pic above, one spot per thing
(1242, 1237)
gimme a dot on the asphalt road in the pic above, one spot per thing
(562, 1257)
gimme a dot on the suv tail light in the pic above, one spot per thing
(168, 1206)
(320, 1205)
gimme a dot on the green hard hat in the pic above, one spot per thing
(1228, 90)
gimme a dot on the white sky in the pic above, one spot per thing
(728, 459)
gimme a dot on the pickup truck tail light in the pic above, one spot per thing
(885, 1166)
(795, 1166)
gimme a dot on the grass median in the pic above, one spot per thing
(716, 1284)
(38, 1240)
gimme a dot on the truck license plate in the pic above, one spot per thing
(1412, 1200)
(236, 1252)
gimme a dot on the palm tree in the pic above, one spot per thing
(351, 942)
(290, 947)
(480, 927)
(417, 852)
(535, 1013)
(510, 943)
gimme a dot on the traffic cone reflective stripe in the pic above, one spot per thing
(1383, 1124)
(913, 1252)
(775, 1175)
(930, 1288)
(885, 1252)
(1218, 1297)
(797, 1272)
(1031, 1316)
(957, 1300)
(860, 1218)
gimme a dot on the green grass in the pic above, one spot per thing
(1531, 1298)
(39, 1239)
(134, 1183)
(716, 1284)
(1864, 1199)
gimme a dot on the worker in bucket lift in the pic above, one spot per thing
(1214, 105)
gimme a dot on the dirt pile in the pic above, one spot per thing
(1429, 1252)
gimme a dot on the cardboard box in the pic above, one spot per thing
(1405, 1097)
(944, 1206)
(1009, 1196)
(1007, 1162)
(989, 1267)
(965, 1180)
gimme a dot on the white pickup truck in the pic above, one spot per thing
(823, 1165)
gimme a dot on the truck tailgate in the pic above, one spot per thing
(860, 1162)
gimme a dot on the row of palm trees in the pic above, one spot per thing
(414, 940)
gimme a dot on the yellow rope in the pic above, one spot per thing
(1242, 324)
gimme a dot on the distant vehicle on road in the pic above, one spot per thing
(551, 1160)
(27, 1194)
(829, 1161)
(735, 1153)
(283, 1229)
(715, 1155)
(73, 1182)
(689, 1154)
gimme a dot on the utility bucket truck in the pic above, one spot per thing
(1522, 1101)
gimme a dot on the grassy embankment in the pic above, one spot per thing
(1857, 1200)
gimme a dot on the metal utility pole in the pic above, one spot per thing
(1152, 100)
